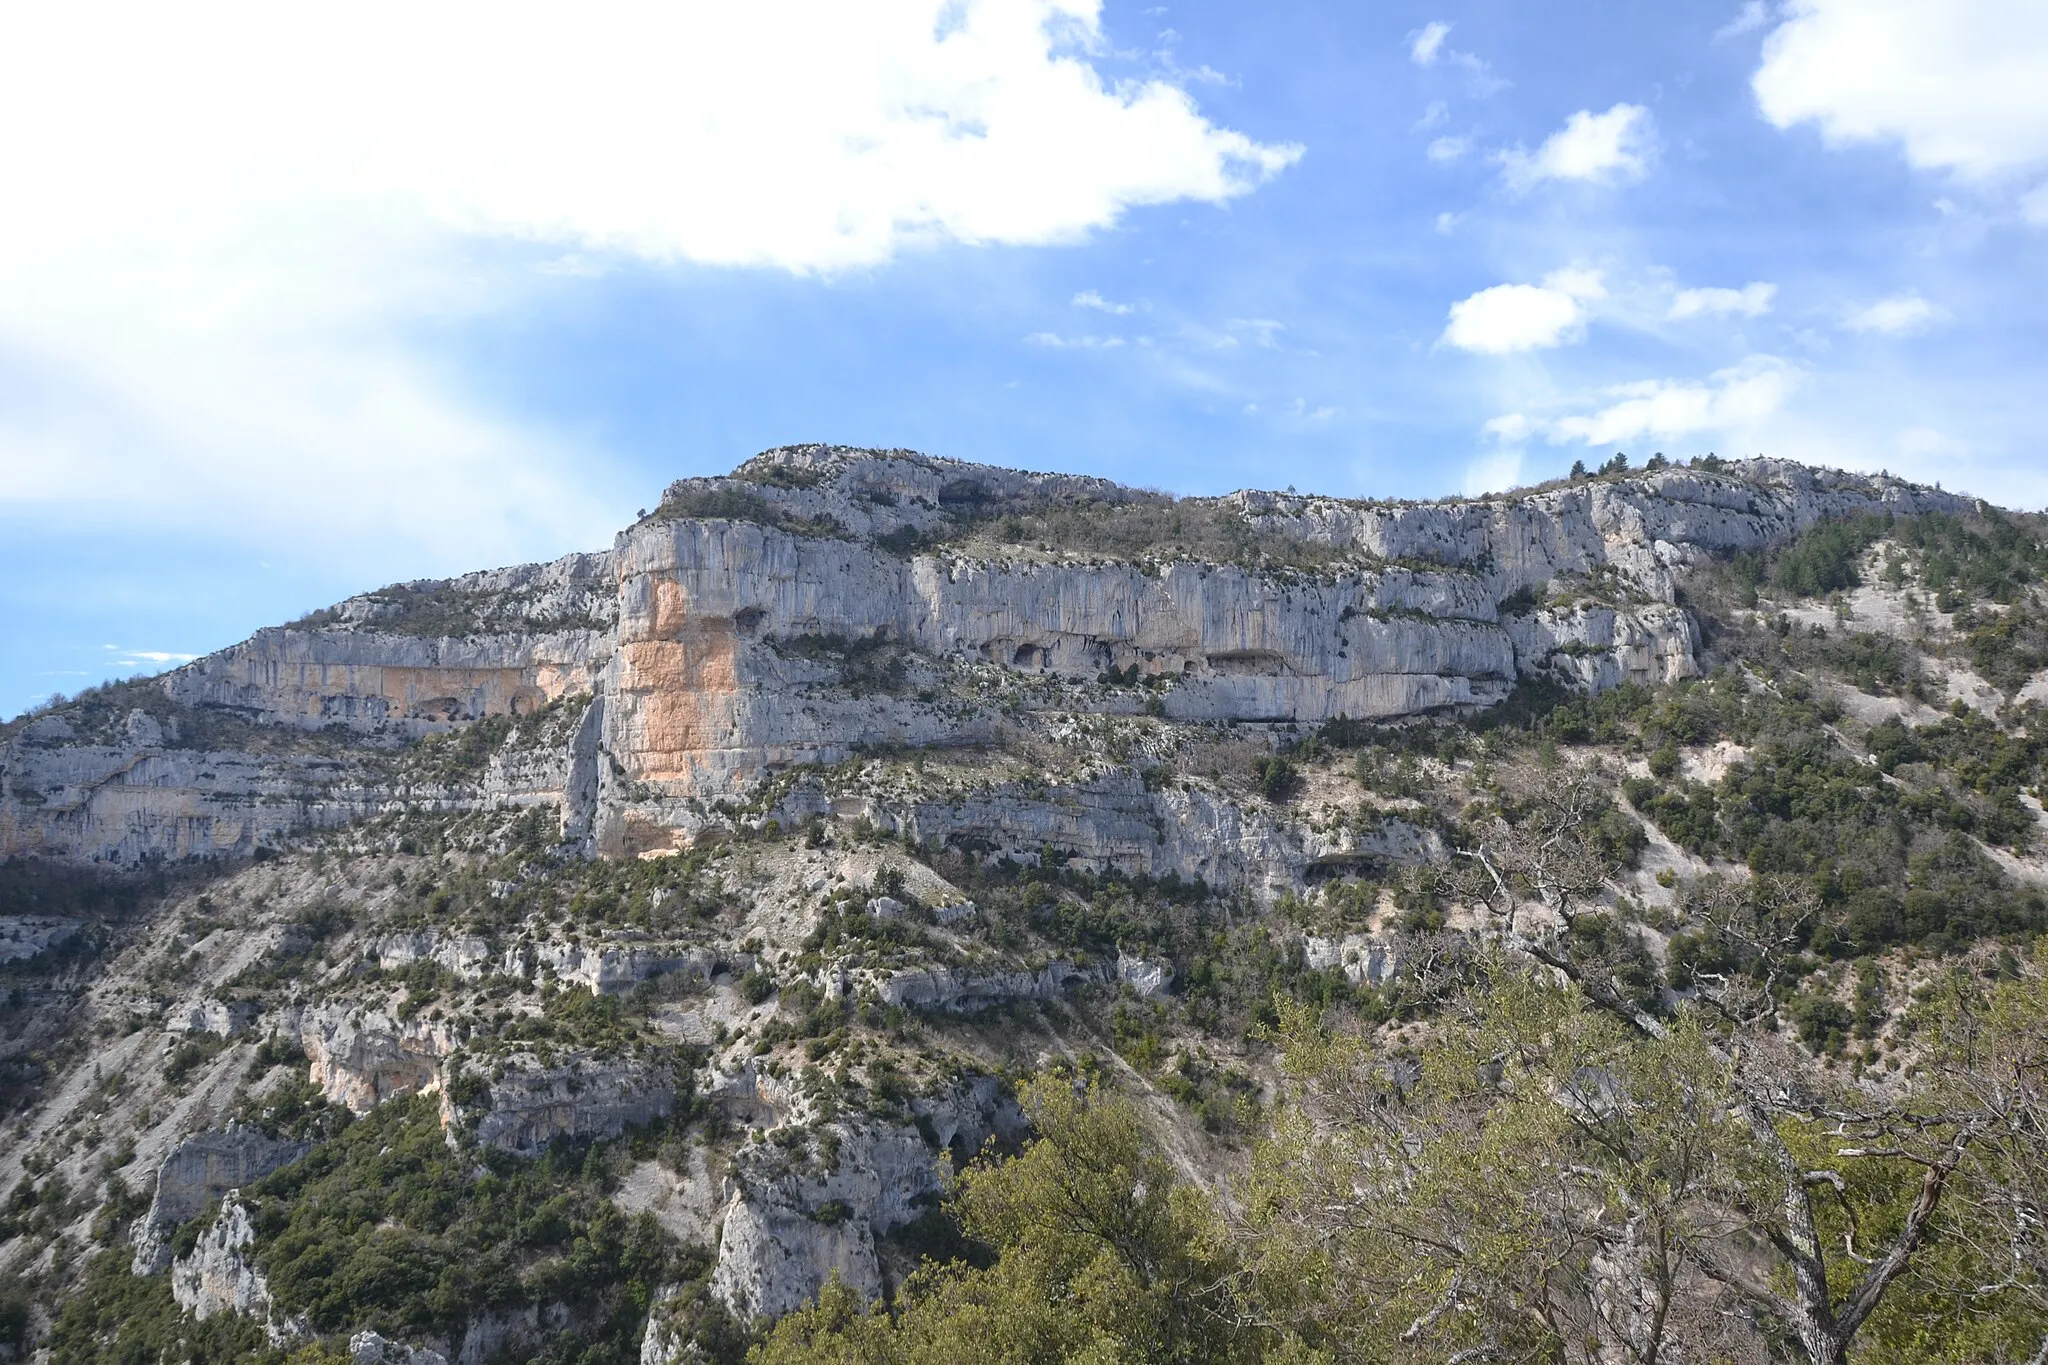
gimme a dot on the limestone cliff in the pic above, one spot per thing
(823, 600)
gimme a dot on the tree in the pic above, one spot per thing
(1541, 1186)
(1980, 1291)
(1101, 1254)
(1810, 1137)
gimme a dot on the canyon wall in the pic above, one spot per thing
(822, 602)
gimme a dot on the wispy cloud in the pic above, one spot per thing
(1088, 298)
(1751, 301)
(1426, 47)
(1753, 15)
(1900, 316)
(1616, 145)
(1735, 399)
(1259, 331)
(123, 657)
(1427, 44)
(1494, 472)
(1053, 341)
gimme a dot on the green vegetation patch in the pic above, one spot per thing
(388, 1227)
(721, 502)
(1207, 530)
(437, 610)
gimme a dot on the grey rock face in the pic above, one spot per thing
(531, 1104)
(1144, 976)
(794, 1223)
(787, 1232)
(198, 1171)
(225, 1018)
(218, 1276)
(27, 936)
(959, 991)
(373, 1348)
(685, 636)
(1363, 960)
(361, 1057)
(412, 659)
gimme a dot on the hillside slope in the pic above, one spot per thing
(599, 957)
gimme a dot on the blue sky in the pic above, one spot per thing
(292, 307)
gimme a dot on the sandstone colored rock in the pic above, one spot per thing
(362, 1056)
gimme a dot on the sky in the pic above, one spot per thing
(297, 301)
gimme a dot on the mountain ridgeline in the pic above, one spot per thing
(886, 908)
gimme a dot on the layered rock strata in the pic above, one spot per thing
(822, 600)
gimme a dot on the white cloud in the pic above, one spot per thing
(1262, 331)
(1895, 317)
(1734, 400)
(1480, 82)
(138, 658)
(1616, 145)
(1494, 472)
(1751, 301)
(1424, 47)
(1053, 341)
(1448, 148)
(666, 132)
(1435, 116)
(228, 225)
(1088, 298)
(1753, 15)
(1577, 281)
(1524, 317)
(1960, 86)
(1508, 429)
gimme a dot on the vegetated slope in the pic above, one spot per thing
(482, 1093)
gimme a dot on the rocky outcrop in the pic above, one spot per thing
(374, 1348)
(527, 1103)
(417, 657)
(198, 1171)
(667, 1341)
(1143, 975)
(958, 990)
(1364, 961)
(225, 1018)
(720, 642)
(789, 1231)
(28, 936)
(801, 1215)
(218, 1277)
(362, 1056)
(614, 964)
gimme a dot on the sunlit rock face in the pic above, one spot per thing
(824, 600)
